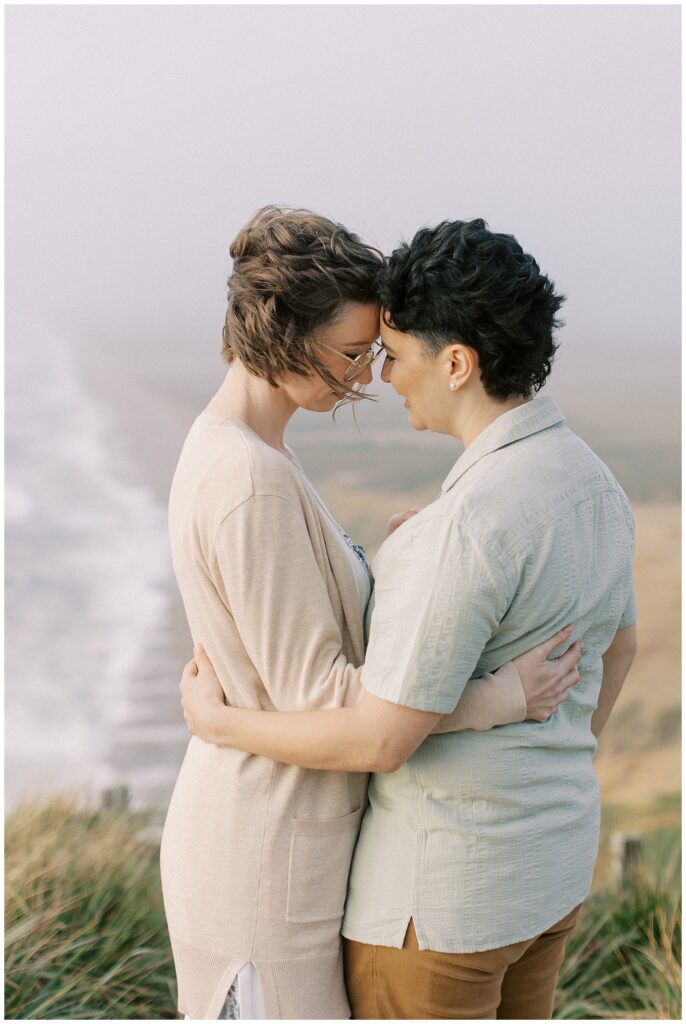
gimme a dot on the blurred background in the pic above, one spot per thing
(139, 140)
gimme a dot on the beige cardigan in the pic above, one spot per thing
(255, 854)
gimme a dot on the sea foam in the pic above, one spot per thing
(88, 586)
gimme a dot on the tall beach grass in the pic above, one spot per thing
(86, 936)
(623, 959)
(85, 929)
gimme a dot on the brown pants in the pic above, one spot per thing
(514, 982)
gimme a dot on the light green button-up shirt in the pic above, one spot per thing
(488, 838)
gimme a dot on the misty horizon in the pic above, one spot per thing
(140, 139)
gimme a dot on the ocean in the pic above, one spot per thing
(92, 663)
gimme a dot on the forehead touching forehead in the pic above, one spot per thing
(357, 326)
(396, 340)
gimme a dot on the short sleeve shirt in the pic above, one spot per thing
(487, 838)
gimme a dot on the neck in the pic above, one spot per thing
(480, 412)
(263, 408)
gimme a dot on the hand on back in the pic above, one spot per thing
(546, 683)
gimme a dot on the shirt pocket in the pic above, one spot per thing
(318, 867)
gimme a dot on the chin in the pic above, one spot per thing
(323, 404)
(415, 423)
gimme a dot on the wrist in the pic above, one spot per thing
(215, 725)
(510, 671)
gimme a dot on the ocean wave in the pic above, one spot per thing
(88, 576)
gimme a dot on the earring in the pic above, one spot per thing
(453, 385)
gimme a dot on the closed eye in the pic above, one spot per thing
(365, 351)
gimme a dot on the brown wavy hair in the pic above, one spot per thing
(292, 272)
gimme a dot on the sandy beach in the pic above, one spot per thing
(639, 753)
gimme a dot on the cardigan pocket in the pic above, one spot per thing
(318, 867)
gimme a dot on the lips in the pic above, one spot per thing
(406, 404)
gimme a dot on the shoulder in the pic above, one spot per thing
(521, 492)
(225, 464)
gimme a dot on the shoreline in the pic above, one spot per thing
(151, 743)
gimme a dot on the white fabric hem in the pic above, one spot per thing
(246, 1002)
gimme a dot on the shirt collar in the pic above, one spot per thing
(538, 414)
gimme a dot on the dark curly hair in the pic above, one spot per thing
(293, 271)
(461, 282)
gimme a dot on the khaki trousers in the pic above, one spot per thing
(515, 982)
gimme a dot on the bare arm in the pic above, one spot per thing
(374, 736)
(617, 661)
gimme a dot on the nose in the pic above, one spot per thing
(386, 371)
(366, 377)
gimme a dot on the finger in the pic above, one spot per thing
(190, 669)
(571, 679)
(549, 645)
(567, 661)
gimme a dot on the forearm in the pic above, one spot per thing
(493, 699)
(617, 661)
(343, 739)
(613, 681)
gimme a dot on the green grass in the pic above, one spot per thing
(624, 957)
(85, 929)
(622, 966)
(86, 935)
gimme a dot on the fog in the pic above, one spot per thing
(140, 139)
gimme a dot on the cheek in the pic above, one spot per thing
(307, 394)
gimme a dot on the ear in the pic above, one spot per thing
(464, 363)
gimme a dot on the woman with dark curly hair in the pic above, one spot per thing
(255, 854)
(476, 850)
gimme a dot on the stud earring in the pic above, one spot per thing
(453, 385)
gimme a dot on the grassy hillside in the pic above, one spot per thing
(86, 937)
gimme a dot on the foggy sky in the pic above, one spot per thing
(140, 139)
